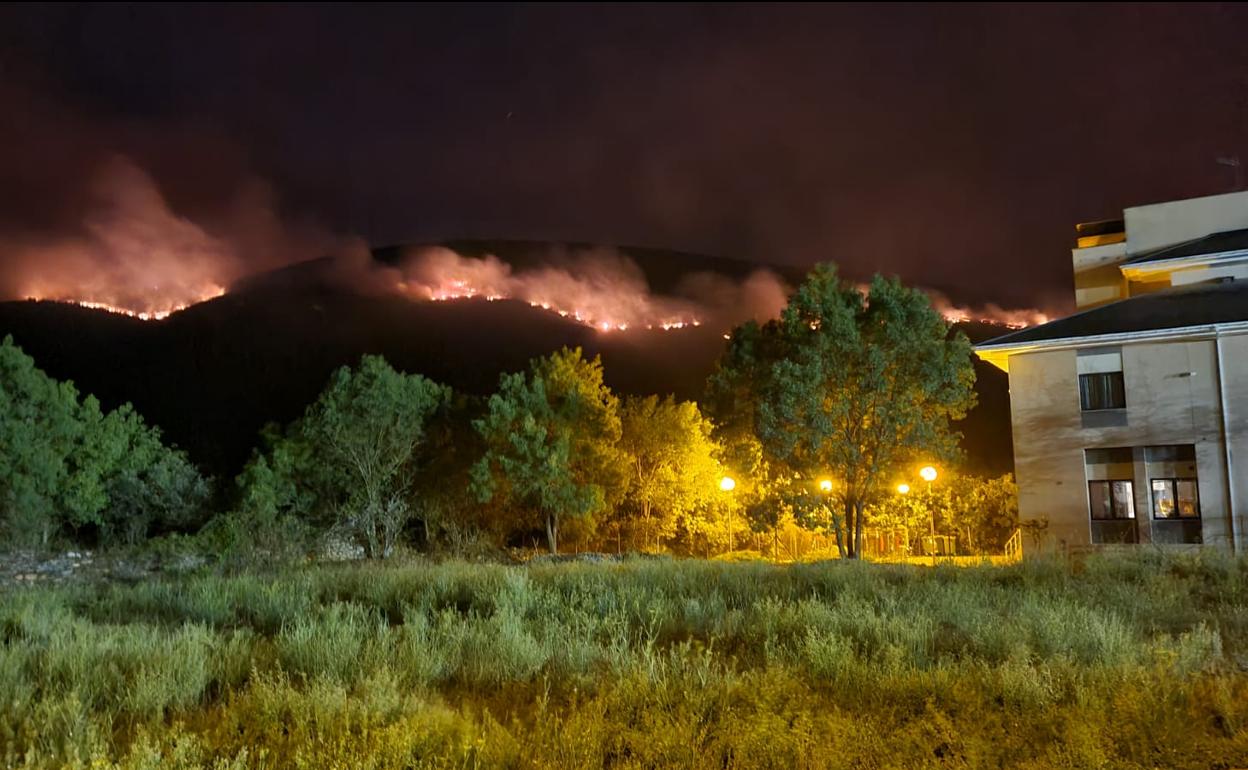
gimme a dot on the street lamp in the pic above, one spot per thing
(903, 489)
(928, 474)
(727, 484)
(825, 485)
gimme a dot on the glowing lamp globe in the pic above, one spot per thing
(826, 485)
(903, 489)
(727, 484)
(928, 473)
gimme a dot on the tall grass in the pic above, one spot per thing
(1133, 661)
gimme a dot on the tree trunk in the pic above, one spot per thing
(851, 547)
(552, 532)
(858, 522)
(839, 531)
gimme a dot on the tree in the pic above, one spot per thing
(148, 485)
(446, 504)
(66, 465)
(40, 432)
(761, 487)
(349, 459)
(983, 513)
(674, 473)
(552, 443)
(851, 386)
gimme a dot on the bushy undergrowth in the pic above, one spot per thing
(1135, 661)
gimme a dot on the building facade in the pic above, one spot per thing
(1130, 417)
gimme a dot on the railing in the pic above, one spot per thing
(1014, 546)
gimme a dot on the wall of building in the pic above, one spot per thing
(1165, 224)
(1233, 269)
(1234, 360)
(1172, 397)
(1098, 278)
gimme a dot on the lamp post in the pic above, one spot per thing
(825, 486)
(928, 474)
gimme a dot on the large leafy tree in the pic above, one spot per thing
(43, 478)
(147, 484)
(850, 385)
(674, 472)
(66, 465)
(350, 459)
(552, 444)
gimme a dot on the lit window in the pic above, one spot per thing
(1175, 499)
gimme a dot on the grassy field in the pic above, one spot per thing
(1113, 662)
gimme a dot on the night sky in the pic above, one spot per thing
(955, 146)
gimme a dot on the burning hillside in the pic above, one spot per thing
(606, 290)
(132, 253)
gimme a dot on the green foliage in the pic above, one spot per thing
(985, 510)
(149, 486)
(65, 465)
(674, 471)
(451, 517)
(42, 478)
(849, 385)
(981, 513)
(552, 444)
(348, 461)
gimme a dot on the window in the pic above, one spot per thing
(1101, 391)
(1101, 384)
(1111, 500)
(1175, 499)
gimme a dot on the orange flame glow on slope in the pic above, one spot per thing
(603, 290)
(131, 253)
(153, 310)
(608, 292)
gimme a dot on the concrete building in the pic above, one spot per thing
(1131, 416)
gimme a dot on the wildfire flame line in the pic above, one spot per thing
(164, 310)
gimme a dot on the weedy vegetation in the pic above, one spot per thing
(1116, 662)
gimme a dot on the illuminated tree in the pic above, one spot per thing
(673, 471)
(552, 441)
(982, 513)
(850, 386)
(730, 400)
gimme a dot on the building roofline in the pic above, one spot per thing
(997, 354)
(1163, 265)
